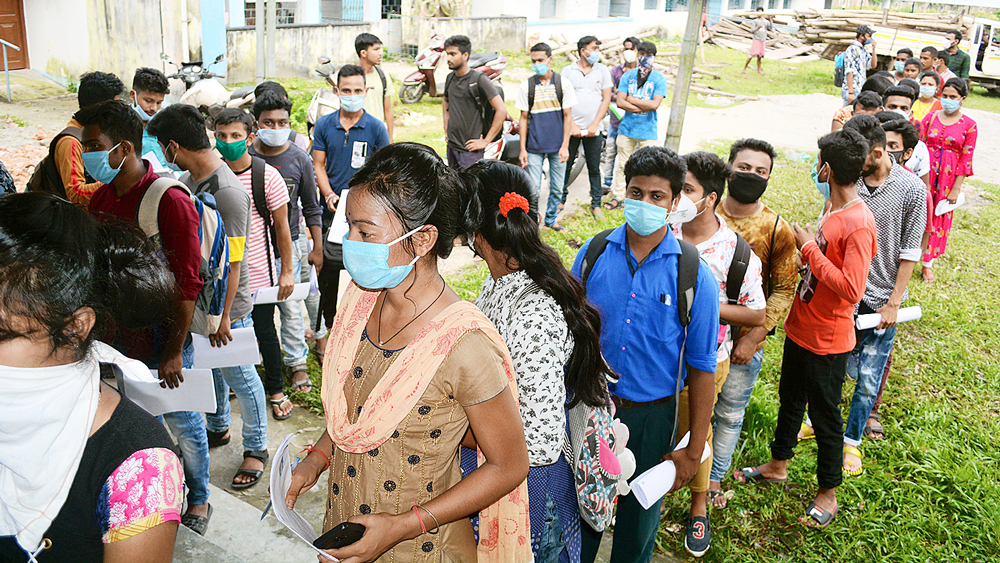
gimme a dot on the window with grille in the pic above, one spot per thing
(390, 7)
(735, 4)
(613, 8)
(772, 4)
(547, 9)
(286, 12)
(787, 5)
(649, 5)
(754, 4)
(676, 5)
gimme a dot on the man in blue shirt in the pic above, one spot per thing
(633, 283)
(640, 92)
(343, 141)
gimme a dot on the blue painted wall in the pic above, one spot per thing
(213, 32)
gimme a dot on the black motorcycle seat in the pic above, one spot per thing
(479, 59)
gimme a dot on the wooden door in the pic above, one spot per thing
(12, 31)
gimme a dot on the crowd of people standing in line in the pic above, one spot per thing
(412, 374)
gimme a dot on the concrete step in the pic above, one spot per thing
(236, 534)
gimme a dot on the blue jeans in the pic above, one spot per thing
(610, 152)
(867, 366)
(189, 429)
(729, 412)
(312, 302)
(557, 173)
(249, 390)
(293, 330)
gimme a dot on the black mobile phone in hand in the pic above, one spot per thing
(342, 535)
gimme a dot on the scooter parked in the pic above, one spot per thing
(204, 92)
(324, 101)
(422, 81)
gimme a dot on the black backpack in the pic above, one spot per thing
(486, 111)
(46, 178)
(687, 282)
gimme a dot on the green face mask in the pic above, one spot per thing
(231, 151)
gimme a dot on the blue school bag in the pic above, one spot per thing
(838, 70)
(214, 268)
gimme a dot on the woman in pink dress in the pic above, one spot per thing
(951, 139)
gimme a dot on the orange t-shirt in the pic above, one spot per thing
(833, 281)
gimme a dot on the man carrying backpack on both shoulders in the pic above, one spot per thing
(737, 270)
(545, 101)
(62, 172)
(657, 301)
(467, 92)
(112, 139)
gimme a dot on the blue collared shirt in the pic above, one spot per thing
(641, 331)
(347, 151)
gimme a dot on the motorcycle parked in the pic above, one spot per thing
(422, 81)
(204, 92)
(325, 100)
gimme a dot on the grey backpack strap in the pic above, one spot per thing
(147, 216)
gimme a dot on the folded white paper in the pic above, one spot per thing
(650, 487)
(944, 206)
(241, 351)
(267, 295)
(905, 314)
(196, 393)
(339, 228)
(281, 480)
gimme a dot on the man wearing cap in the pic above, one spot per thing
(857, 60)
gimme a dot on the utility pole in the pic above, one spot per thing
(682, 85)
(272, 28)
(258, 20)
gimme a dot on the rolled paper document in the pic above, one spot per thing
(650, 487)
(871, 320)
(944, 206)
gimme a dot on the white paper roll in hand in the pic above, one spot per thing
(945, 206)
(650, 487)
(871, 320)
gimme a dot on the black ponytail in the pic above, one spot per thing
(517, 236)
(56, 259)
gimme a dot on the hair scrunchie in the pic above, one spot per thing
(511, 200)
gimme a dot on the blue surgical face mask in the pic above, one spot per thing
(351, 104)
(540, 68)
(170, 163)
(898, 66)
(368, 263)
(644, 218)
(142, 113)
(594, 57)
(822, 187)
(275, 137)
(950, 106)
(97, 165)
(868, 41)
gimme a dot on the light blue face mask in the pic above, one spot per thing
(950, 106)
(170, 163)
(644, 218)
(368, 263)
(351, 104)
(142, 113)
(97, 165)
(540, 68)
(898, 66)
(822, 187)
(274, 137)
(594, 57)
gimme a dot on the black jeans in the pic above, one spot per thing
(592, 149)
(328, 281)
(270, 348)
(818, 380)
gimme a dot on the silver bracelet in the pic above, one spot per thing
(436, 525)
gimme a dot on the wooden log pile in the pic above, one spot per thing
(734, 33)
(835, 29)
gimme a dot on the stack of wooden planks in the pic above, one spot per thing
(837, 27)
(734, 33)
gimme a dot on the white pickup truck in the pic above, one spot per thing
(983, 47)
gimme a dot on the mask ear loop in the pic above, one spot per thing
(409, 234)
(119, 167)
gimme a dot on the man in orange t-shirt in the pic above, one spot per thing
(820, 326)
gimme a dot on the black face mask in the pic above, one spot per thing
(746, 187)
(897, 156)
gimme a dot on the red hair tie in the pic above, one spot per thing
(510, 200)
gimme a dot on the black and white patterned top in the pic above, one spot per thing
(900, 209)
(540, 346)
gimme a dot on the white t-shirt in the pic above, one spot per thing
(257, 249)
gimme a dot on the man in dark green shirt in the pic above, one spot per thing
(959, 62)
